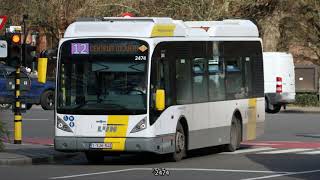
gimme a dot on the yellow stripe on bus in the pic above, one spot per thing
(252, 119)
(161, 30)
(116, 132)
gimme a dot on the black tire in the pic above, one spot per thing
(180, 145)
(28, 106)
(94, 157)
(276, 108)
(47, 100)
(235, 135)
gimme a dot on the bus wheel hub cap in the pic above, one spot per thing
(179, 141)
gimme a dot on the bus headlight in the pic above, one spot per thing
(140, 126)
(62, 125)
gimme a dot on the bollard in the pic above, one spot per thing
(17, 110)
(42, 69)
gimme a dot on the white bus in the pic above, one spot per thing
(158, 85)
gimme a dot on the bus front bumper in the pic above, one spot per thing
(158, 145)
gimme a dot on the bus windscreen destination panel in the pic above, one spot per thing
(108, 48)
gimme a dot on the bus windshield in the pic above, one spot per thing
(102, 76)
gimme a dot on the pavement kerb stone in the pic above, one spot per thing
(9, 158)
(296, 109)
(14, 159)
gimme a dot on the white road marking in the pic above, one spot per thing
(285, 174)
(224, 170)
(98, 173)
(172, 169)
(249, 150)
(310, 152)
(285, 151)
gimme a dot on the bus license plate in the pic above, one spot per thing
(101, 145)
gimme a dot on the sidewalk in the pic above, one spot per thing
(297, 109)
(27, 154)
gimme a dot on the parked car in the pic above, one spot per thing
(279, 80)
(39, 93)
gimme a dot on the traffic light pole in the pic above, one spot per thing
(17, 109)
(17, 104)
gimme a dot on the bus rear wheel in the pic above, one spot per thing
(180, 145)
(94, 157)
(235, 135)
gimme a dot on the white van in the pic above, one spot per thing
(279, 80)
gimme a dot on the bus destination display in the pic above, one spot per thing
(107, 48)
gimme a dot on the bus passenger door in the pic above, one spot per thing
(162, 78)
(199, 135)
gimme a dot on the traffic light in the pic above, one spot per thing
(30, 55)
(14, 51)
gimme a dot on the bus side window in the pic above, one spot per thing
(200, 84)
(234, 81)
(216, 72)
(183, 84)
(200, 71)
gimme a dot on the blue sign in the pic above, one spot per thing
(71, 124)
(71, 118)
(65, 118)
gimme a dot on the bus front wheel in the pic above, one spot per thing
(180, 145)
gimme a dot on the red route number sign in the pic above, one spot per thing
(3, 20)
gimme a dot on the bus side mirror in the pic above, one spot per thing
(160, 99)
(42, 70)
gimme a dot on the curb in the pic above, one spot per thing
(15, 162)
(17, 159)
(300, 111)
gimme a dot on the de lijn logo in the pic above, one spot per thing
(70, 119)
